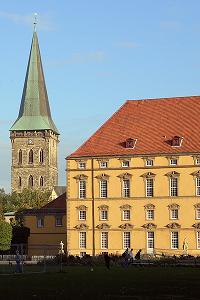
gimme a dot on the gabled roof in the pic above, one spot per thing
(34, 113)
(153, 123)
(59, 202)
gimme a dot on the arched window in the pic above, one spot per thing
(41, 181)
(30, 180)
(41, 156)
(30, 157)
(20, 181)
(20, 156)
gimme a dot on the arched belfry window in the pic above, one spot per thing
(41, 156)
(20, 156)
(41, 181)
(30, 160)
(30, 180)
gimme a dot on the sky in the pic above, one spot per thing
(96, 54)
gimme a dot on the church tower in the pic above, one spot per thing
(34, 136)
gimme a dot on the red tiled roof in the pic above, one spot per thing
(153, 122)
(59, 202)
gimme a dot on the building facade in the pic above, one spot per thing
(34, 136)
(135, 183)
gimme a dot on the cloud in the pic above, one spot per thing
(96, 57)
(127, 45)
(171, 25)
(44, 22)
(102, 74)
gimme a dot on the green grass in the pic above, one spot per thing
(119, 283)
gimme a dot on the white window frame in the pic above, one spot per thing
(104, 240)
(198, 239)
(126, 239)
(103, 215)
(103, 188)
(173, 187)
(82, 215)
(149, 187)
(58, 222)
(82, 189)
(82, 240)
(197, 213)
(40, 222)
(126, 188)
(173, 162)
(174, 214)
(174, 240)
(82, 165)
(125, 164)
(198, 161)
(197, 186)
(149, 163)
(150, 214)
(103, 164)
(82, 254)
(126, 214)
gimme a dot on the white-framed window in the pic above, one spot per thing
(82, 215)
(58, 222)
(82, 254)
(103, 164)
(173, 187)
(81, 165)
(197, 214)
(174, 240)
(82, 240)
(150, 214)
(198, 161)
(149, 163)
(198, 186)
(125, 163)
(40, 222)
(173, 162)
(103, 215)
(149, 187)
(198, 239)
(174, 214)
(82, 189)
(104, 240)
(126, 214)
(126, 240)
(126, 188)
(103, 189)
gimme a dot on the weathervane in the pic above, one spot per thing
(35, 21)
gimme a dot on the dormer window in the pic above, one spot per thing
(130, 143)
(149, 163)
(81, 165)
(125, 163)
(177, 141)
(103, 164)
(173, 162)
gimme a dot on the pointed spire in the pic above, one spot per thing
(34, 113)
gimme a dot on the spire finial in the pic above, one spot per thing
(35, 21)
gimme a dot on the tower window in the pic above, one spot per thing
(41, 181)
(30, 159)
(20, 156)
(41, 156)
(20, 181)
(30, 180)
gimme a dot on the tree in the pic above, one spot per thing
(5, 235)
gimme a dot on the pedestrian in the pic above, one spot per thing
(131, 256)
(137, 256)
(107, 261)
(18, 258)
(126, 257)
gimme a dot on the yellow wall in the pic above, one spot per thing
(186, 199)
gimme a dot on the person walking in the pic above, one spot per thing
(126, 257)
(18, 258)
(131, 256)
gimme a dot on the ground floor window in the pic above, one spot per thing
(174, 240)
(58, 222)
(82, 254)
(150, 241)
(126, 240)
(104, 240)
(82, 240)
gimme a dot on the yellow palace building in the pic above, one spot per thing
(135, 183)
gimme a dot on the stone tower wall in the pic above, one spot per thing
(23, 168)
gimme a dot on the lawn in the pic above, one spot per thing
(99, 283)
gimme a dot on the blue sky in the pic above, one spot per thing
(96, 55)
